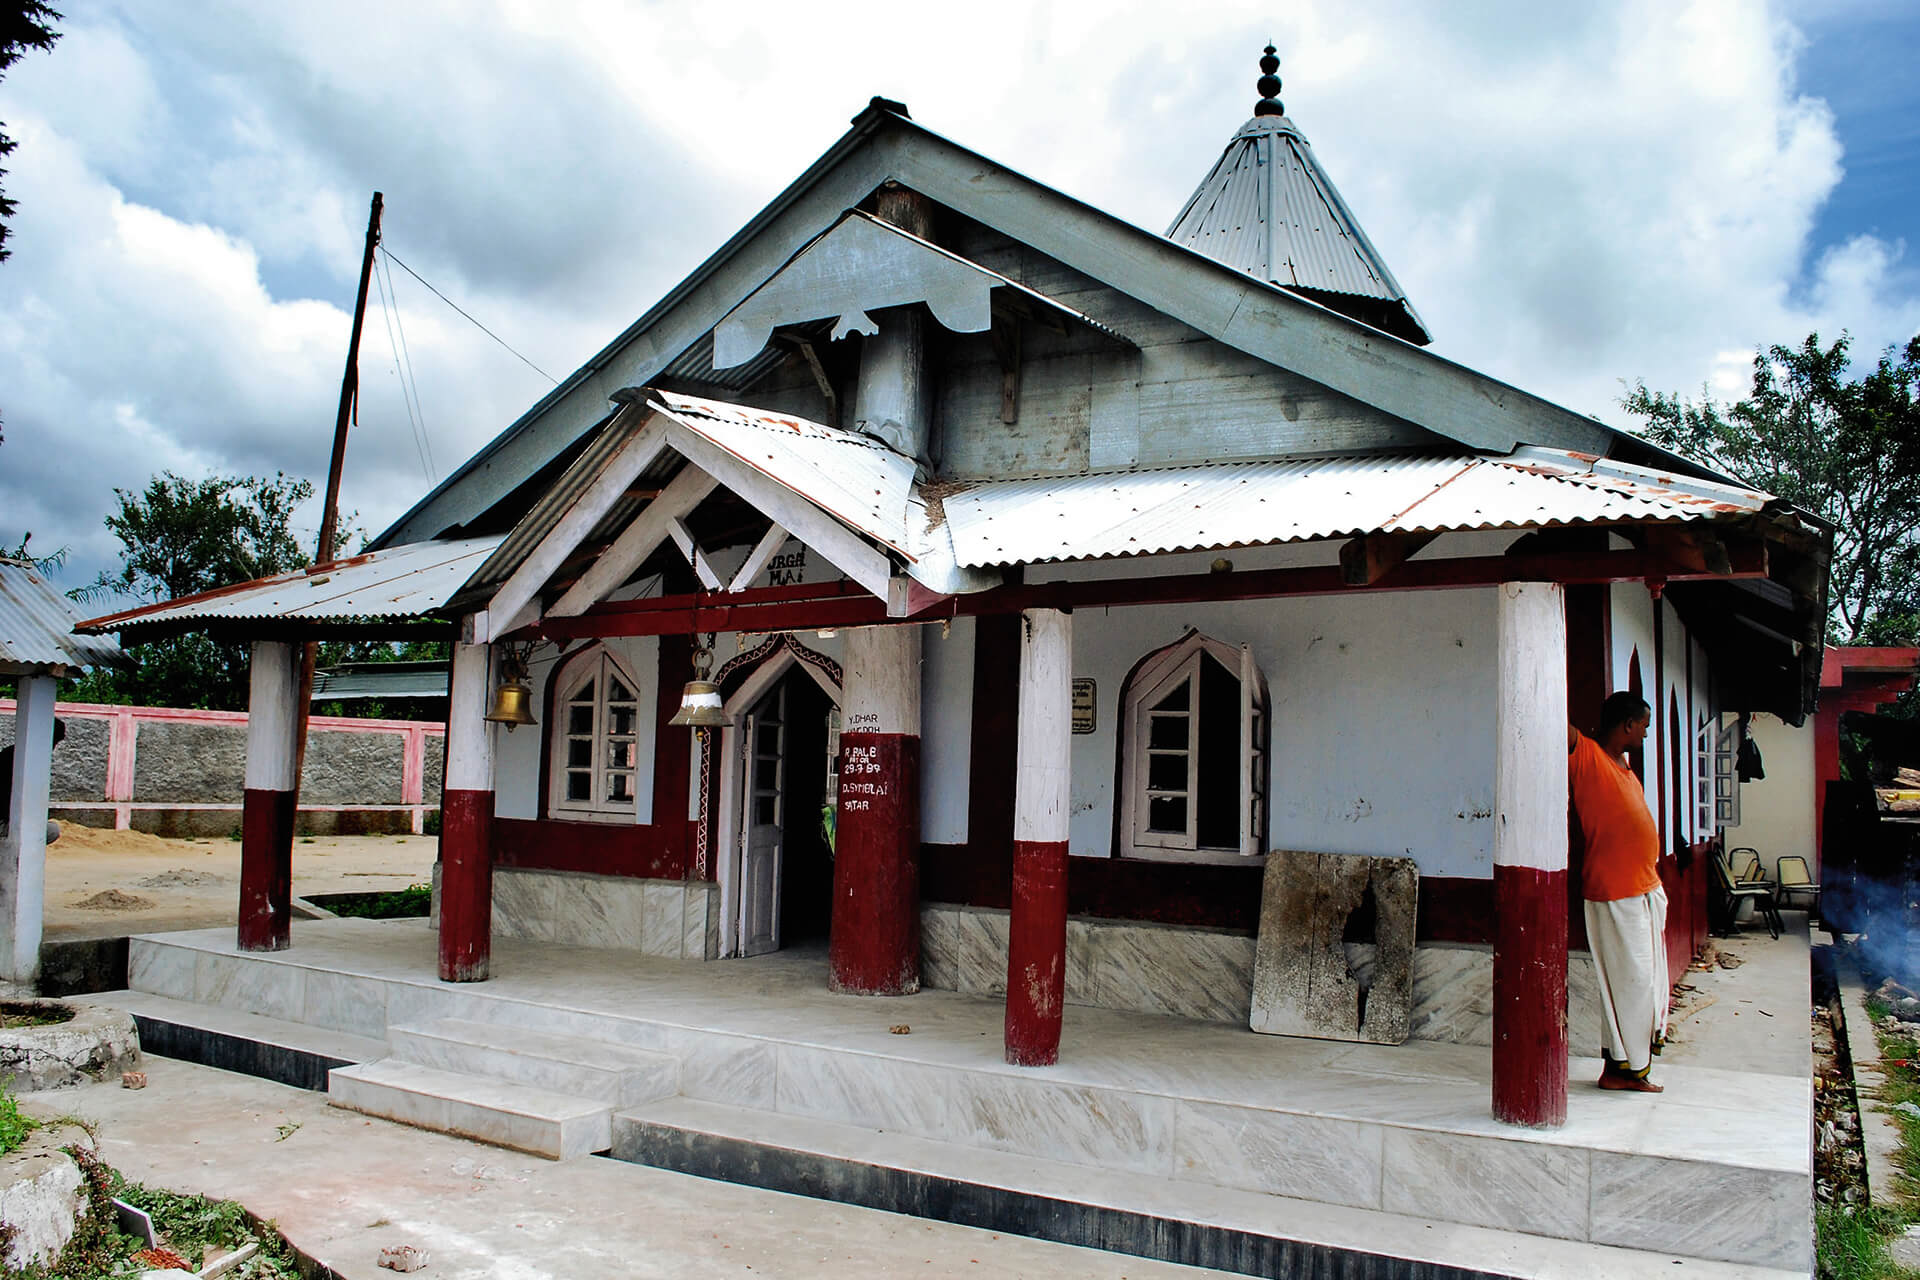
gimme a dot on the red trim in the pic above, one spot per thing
(594, 848)
(712, 611)
(466, 885)
(1037, 953)
(873, 946)
(673, 751)
(1530, 996)
(266, 869)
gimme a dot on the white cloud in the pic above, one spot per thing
(1573, 195)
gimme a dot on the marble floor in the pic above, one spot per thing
(1718, 1166)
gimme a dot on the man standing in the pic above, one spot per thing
(1626, 908)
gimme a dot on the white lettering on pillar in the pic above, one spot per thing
(882, 690)
(1042, 768)
(273, 715)
(1530, 728)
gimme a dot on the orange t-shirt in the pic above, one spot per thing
(1623, 844)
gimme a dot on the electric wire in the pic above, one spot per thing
(406, 358)
(476, 324)
(387, 309)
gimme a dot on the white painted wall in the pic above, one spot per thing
(1776, 813)
(946, 730)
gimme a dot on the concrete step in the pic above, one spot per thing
(617, 1073)
(1181, 1222)
(539, 1121)
(274, 1049)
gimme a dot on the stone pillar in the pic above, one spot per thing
(466, 822)
(1530, 857)
(1037, 950)
(266, 818)
(874, 944)
(23, 853)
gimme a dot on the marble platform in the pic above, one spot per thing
(1717, 1168)
(671, 919)
(1207, 974)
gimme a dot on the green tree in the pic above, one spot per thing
(24, 25)
(179, 537)
(1844, 448)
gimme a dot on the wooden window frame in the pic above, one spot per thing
(1150, 682)
(596, 664)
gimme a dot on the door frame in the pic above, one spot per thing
(730, 832)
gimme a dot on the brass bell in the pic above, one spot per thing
(700, 707)
(512, 703)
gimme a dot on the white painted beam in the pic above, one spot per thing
(578, 521)
(636, 542)
(273, 711)
(762, 554)
(23, 853)
(1042, 758)
(1530, 728)
(683, 539)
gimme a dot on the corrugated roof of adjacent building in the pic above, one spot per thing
(1268, 208)
(37, 627)
(1222, 505)
(403, 583)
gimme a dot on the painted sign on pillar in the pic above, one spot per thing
(874, 944)
(267, 811)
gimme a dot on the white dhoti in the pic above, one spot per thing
(1628, 938)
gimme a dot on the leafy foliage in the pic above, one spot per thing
(414, 900)
(15, 1125)
(24, 25)
(1845, 449)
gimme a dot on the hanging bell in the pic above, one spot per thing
(512, 703)
(700, 707)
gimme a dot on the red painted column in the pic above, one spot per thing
(1037, 950)
(873, 946)
(466, 823)
(266, 816)
(1530, 858)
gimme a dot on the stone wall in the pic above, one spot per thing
(1207, 974)
(671, 919)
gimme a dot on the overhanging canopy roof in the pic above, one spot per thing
(37, 628)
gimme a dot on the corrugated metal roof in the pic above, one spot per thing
(1268, 208)
(852, 477)
(37, 625)
(359, 681)
(1222, 505)
(396, 583)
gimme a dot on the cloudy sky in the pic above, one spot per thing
(1644, 189)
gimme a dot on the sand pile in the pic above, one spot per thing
(114, 900)
(73, 836)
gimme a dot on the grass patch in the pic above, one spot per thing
(15, 1125)
(414, 900)
(15, 1014)
(1853, 1244)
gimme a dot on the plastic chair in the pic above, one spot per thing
(1796, 881)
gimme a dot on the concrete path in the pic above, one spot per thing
(1752, 1017)
(342, 1186)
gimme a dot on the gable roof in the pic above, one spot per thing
(1255, 316)
(1268, 208)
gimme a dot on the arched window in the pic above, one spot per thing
(596, 731)
(1194, 754)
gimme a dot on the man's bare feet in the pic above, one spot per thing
(1631, 1084)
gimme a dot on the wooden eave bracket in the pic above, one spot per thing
(1006, 350)
(1368, 558)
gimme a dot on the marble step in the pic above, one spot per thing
(538, 1121)
(619, 1073)
(1188, 1223)
(291, 1053)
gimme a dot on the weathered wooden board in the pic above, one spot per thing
(1302, 982)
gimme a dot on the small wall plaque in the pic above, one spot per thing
(1083, 717)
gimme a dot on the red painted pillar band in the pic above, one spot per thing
(266, 869)
(874, 943)
(1530, 996)
(466, 885)
(1037, 953)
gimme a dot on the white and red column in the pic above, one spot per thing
(873, 948)
(272, 792)
(23, 853)
(466, 822)
(1530, 857)
(1037, 943)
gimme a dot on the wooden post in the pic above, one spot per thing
(466, 822)
(894, 398)
(1530, 857)
(266, 820)
(23, 854)
(1037, 951)
(873, 947)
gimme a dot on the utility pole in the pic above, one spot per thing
(330, 512)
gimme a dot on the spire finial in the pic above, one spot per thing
(1269, 86)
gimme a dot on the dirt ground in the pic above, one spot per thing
(107, 883)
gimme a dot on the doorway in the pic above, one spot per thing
(785, 791)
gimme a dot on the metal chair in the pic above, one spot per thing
(1759, 893)
(1796, 881)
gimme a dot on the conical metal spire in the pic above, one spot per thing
(1269, 209)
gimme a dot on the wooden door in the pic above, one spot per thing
(764, 798)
